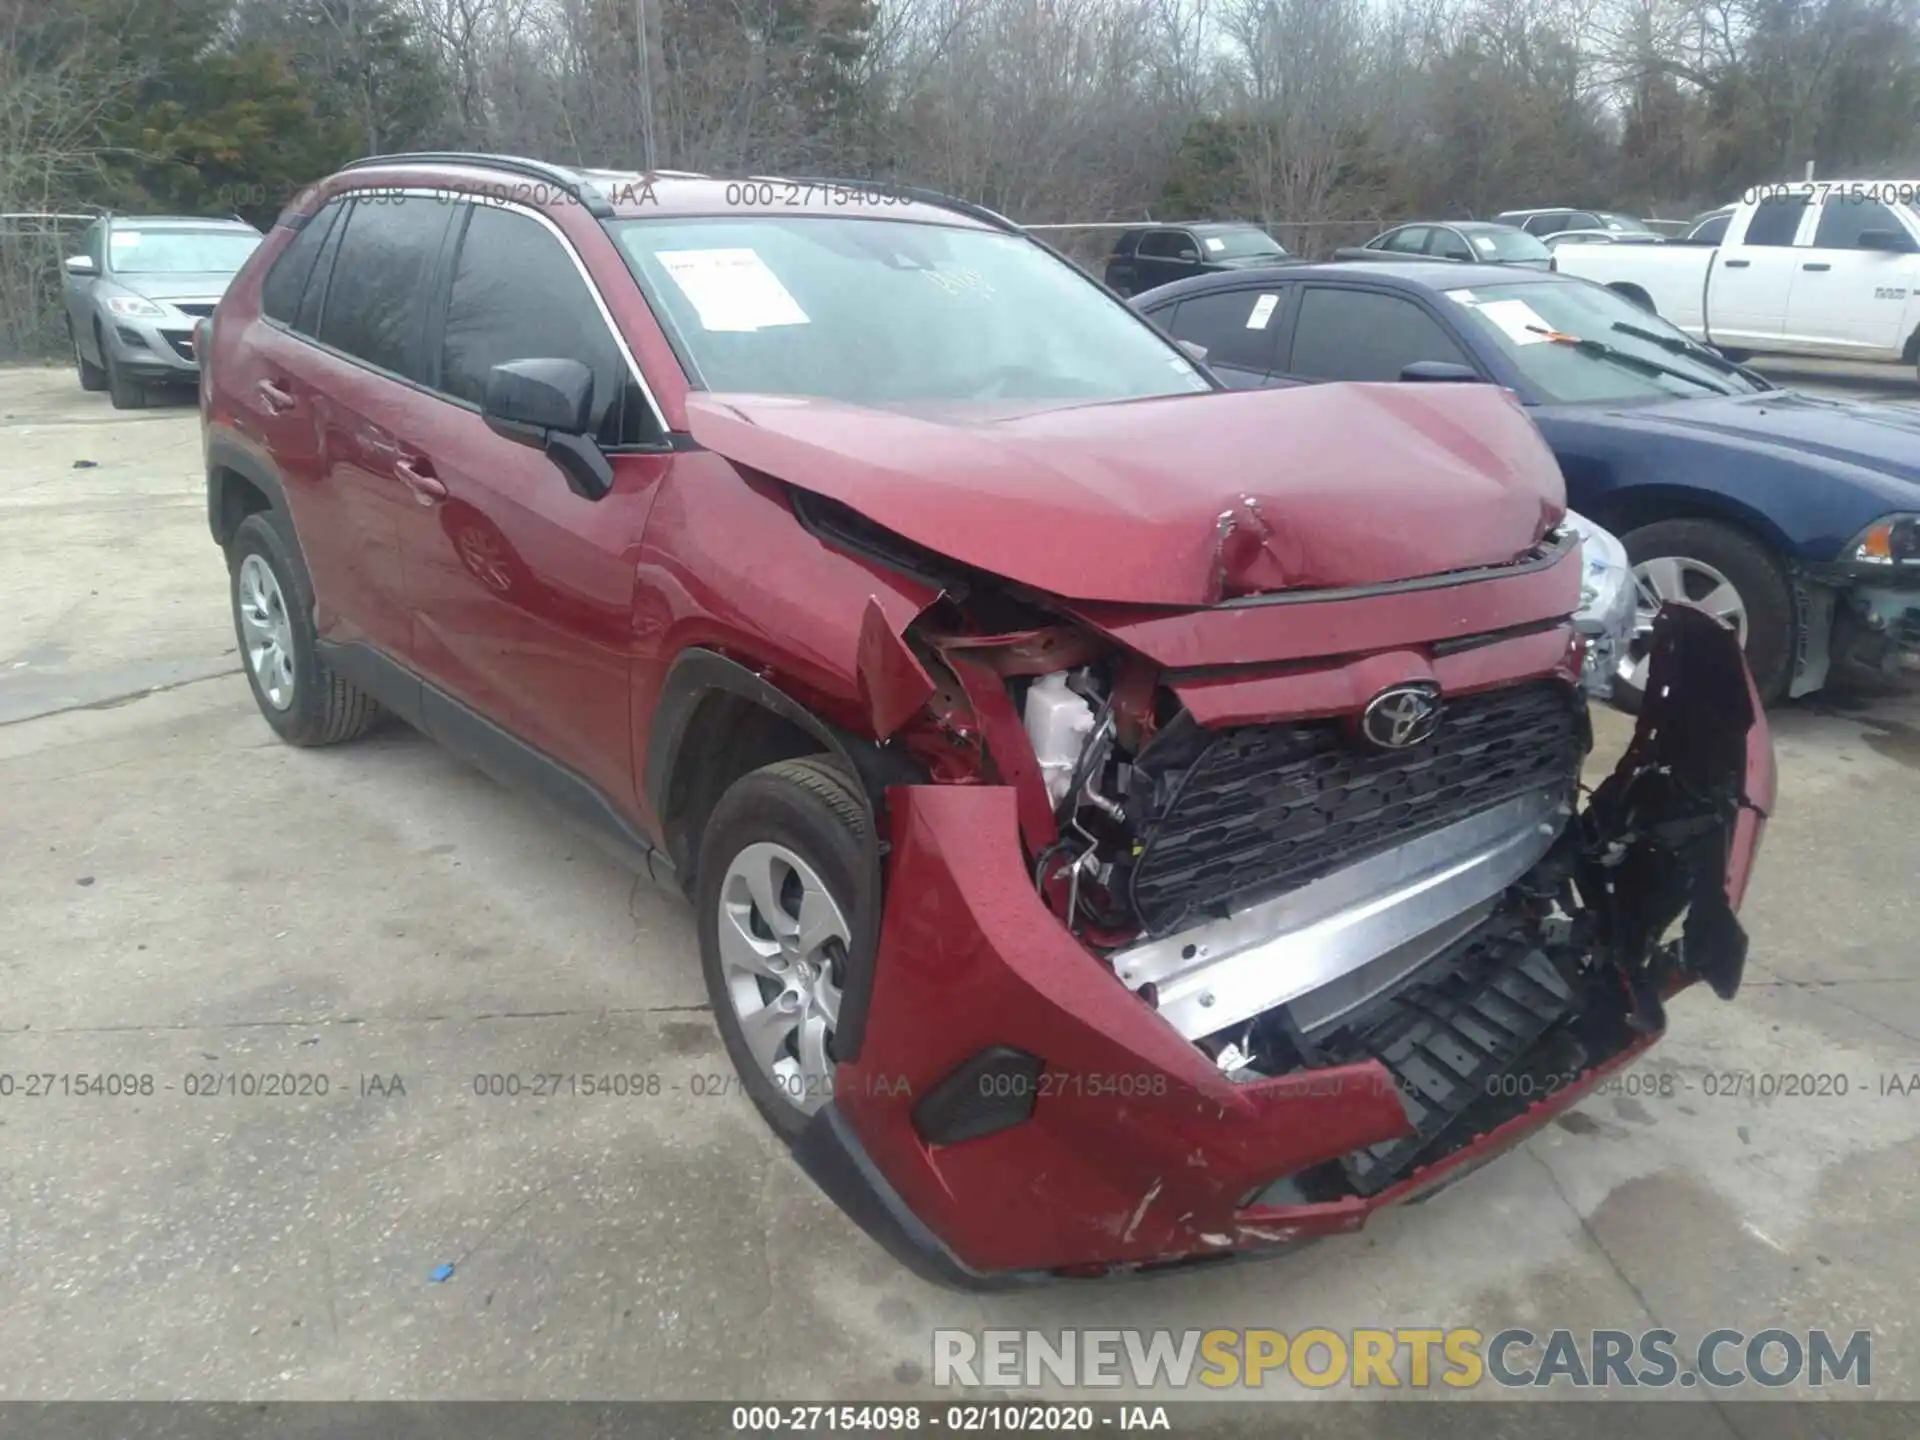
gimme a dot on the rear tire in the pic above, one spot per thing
(304, 701)
(1710, 554)
(774, 892)
(92, 378)
(123, 390)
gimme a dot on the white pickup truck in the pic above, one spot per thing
(1828, 268)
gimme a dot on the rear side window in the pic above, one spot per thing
(377, 297)
(1776, 221)
(1364, 335)
(517, 295)
(1236, 326)
(1546, 224)
(287, 280)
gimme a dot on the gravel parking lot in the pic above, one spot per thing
(182, 895)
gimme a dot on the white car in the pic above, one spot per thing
(1608, 610)
(1828, 269)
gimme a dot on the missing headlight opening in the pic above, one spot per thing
(1305, 894)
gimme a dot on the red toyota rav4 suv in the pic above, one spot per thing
(1128, 821)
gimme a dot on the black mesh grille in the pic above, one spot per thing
(1234, 817)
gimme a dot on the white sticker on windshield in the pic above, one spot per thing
(1482, 243)
(1215, 244)
(1514, 317)
(1463, 297)
(125, 239)
(732, 289)
(1262, 312)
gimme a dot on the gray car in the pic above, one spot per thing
(135, 292)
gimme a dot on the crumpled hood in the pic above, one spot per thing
(1180, 501)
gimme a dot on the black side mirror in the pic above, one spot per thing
(1440, 372)
(548, 404)
(1895, 242)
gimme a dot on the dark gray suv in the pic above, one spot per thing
(135, 292)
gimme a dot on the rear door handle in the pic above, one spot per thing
(1816, 265)
(276, 398)
(426, 489)
(1737, 264)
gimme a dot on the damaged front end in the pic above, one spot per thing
(1161, 977)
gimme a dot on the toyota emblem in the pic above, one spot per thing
(1401, 716)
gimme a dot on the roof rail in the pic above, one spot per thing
(586, 193)
(919, 193)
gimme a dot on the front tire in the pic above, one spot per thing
(1727, 573)
(92, 378)
(305, 702)
(123, 390)
(774, 893)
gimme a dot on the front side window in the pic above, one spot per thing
(1364, 335)
(1844, 218)
(1533, 324)
(516, 295)
(1409, 241)
(377, 296)
(1168, 245)
(882, 312)
(137, 250)
(1448, 245)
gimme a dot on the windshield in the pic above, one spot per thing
(1507, 245)
(879, 312)
(1239, 244)
(1505, 315)
(180, 252)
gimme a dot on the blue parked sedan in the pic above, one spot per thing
(1794, 518)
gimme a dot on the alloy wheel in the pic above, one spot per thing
(268, 631)
(783, 945)
(1676, 577)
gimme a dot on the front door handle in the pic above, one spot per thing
(1737, 264)
(276, 398)
(1816, 265)
(426, 489)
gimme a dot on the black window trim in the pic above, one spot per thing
(1421, 299)
(440, 278)
(313, 269)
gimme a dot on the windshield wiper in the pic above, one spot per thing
(1694, 350)
(1627, 358)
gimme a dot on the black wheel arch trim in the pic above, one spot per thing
(226, 455)
(698, 673)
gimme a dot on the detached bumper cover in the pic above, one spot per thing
(1137, 1150)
